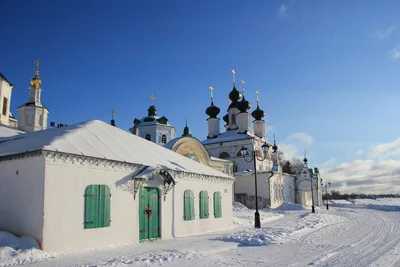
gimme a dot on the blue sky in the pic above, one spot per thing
(327, 71)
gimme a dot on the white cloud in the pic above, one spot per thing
(359, 153)
(365, 176)
(295, 145)
(327, 164)
(384, 33)
(395, 53)
(282, 10)
(386, 149)
(303, 139)
(289, 151)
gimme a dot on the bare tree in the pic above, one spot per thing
(297, 165)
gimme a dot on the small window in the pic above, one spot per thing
(188, 208)
(224, 155)
(164, 139)
(217, 205)
(204, 204)
(97, 206)
(148, 137)
(5, 106)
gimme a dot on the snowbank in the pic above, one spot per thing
(244, 217)
(306, 222)
(290, 206)
(16, 251)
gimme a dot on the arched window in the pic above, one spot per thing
(203, 204)
(188, 205)
(163, 139)
(148, 137)
(217, 205)
(97, 206)
(224, 155)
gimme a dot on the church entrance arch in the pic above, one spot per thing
(149, 219)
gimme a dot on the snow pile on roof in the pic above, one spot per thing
(16, 251)
(101, 140)
(6, 131)
(229, 136)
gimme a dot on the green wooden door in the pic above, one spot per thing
(149, 221)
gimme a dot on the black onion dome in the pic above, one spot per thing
(234, 95)
(258, 113)
(212, 110)
(275, 147)
(244, 105)
(152, 111)
(305, 160)
(226, 118)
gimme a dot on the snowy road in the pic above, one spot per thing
(338, 237)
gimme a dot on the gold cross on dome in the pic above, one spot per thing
(112, 113)
(211, 92)
(152, 97)
(233, 77)
(37, 62)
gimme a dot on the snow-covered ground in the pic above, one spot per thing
(348, 234)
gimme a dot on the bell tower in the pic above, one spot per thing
(32, 116)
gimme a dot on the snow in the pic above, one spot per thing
(382, 204)
(15, 251)
(101, 140)
(290, 236)
(228, 136)
(6, 131)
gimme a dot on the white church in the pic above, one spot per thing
(121, 187)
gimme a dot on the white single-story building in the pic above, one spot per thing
(92, 184)
(273, 188)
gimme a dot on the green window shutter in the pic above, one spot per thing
(217, 205)
(188, 213)
(203, 204)
(97, 206)
(91, 206)
(107, 198)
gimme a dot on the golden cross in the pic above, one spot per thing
(233, 77)
(242, 86)
(211, 92)
(152, 99)
(37, 62)
(112, 113)
(257, 96)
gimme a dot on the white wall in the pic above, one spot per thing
(281, 189)
(64, 208)
(5, 91)
(185, 228)
(65, 186)
(22, 196)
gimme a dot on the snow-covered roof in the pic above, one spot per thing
(227, 136)
(7, 131)
(101, 140)
(218, 159)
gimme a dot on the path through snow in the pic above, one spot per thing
(341, 236)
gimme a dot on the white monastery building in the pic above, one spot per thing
(32, 116)
(102, 185)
